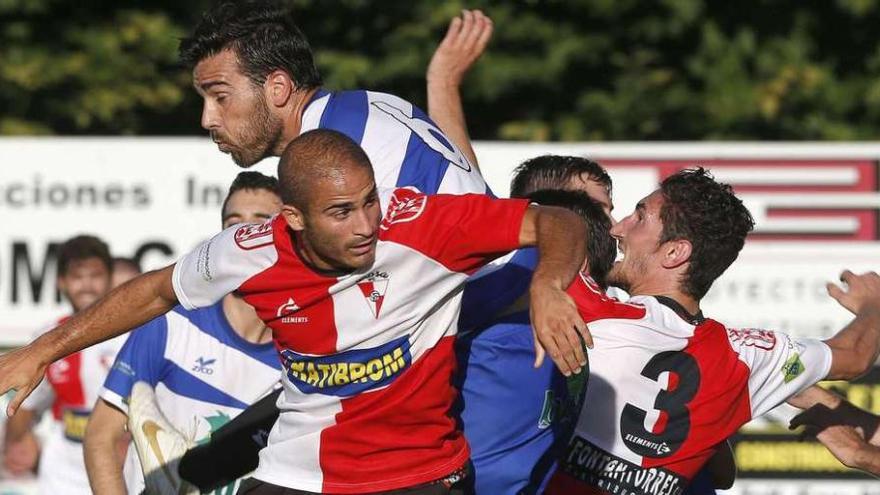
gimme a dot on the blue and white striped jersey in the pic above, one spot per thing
(203, 373)
(404, 145)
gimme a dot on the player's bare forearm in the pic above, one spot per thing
(19, 425)
(560, 236)
(446, 110)
(855, 348)
(815, 395)
(465, 41)
(124, 308)
(105, 430)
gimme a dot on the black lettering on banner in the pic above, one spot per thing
(672, 402)
(147, 247)
(36, 280)
(596, 467)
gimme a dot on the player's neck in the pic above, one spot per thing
(293, 121)
(244, 320)
(687, 302)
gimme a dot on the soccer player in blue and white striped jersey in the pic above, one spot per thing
(205, 367)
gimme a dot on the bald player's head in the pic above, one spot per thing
(315, 157)
(330, 201)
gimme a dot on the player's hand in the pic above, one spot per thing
(845, 443)
(558, 329)
(465, 41)
(860, 291)
(20, 457)
(20, 370)
(820, 417)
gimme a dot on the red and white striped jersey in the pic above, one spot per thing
(69, 390)
(666, 388)
(367, 357)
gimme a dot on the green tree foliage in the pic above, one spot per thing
(556, 69)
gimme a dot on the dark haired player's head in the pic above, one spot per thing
(684, 235)
(253, 67)
(84, 270)
(124, 269)
(601, 247)
(709, 215)
(252, 198)
(571, 173)
(330, 200)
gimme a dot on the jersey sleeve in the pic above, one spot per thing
(779, 365)
(462, 232)
(141, 359)
(221, 264)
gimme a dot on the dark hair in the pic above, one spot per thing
(80, 248)
(130, 262)
(709, 215)
(601, 247)
(554, 172)
(313, 155)
(250, 181)
(263, 37)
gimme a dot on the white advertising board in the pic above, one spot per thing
(155, 198)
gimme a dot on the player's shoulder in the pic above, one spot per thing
(594, 303)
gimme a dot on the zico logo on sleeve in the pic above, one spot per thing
(348, 373)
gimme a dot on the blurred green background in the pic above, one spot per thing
(569, 70)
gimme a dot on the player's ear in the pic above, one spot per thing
(676, 253)
(278, 88)
(294, 217)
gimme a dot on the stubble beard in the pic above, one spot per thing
(259, 138)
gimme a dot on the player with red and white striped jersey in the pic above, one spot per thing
(668, 386)
(72, 383)
(363, 310)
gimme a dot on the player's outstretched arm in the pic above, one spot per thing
(854, 349)
(465, 41)
(20, 447)
(106, 429)
(128, 306)
(561, 238)
(849, 433)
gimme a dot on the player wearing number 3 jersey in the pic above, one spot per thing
(667, 386)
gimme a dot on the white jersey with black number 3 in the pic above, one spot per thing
(666, 388)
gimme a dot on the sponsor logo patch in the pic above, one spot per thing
(610, 473)
(406, 205)
(250, 237)
(348, 373)
(793, 368)
(286, 313)
(204, 366)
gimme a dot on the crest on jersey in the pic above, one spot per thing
(373, 288)
(406, 204)
(753, 337)
(249, 237)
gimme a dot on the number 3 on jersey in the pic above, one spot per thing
(428, 133)
(684, 381)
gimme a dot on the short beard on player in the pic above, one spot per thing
(259, 137)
